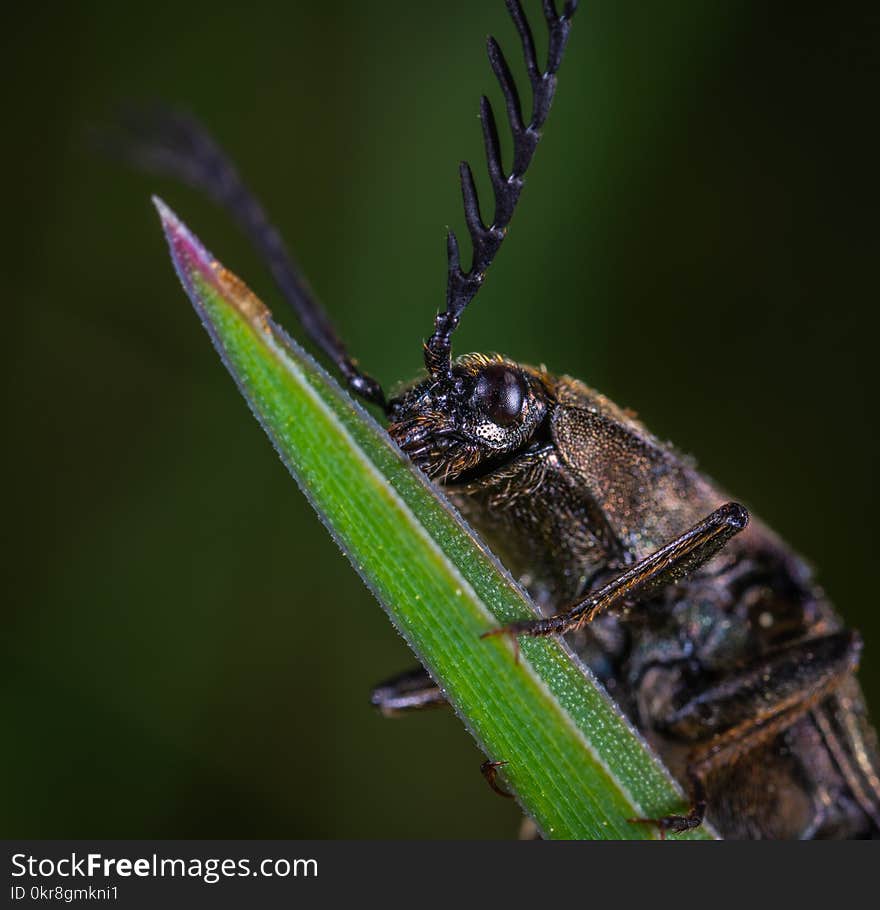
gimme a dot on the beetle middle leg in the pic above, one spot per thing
(414, 690)
(406, 693)
(663, 567)
(752, 706)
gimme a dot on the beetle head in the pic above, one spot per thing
(466, 422)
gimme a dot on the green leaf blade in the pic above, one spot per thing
(576, 765)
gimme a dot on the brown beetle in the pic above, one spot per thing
(704, 626)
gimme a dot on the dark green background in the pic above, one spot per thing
(185, 651)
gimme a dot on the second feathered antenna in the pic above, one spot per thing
(166, 142)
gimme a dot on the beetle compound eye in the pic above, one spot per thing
(500, 392)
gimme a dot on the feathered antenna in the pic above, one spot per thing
(462, 286)
(168, 142)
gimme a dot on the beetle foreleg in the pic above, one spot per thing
(663, 567)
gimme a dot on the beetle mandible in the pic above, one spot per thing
(703, 624)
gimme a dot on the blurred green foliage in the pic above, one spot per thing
(185, 651)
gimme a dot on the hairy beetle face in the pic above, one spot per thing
(472, 421)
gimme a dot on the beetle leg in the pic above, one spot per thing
(753, 706)
(414, 690)
(407, 692)
(663, 567)
(489, 770)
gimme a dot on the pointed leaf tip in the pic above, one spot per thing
(164, 210)
(192, 261)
